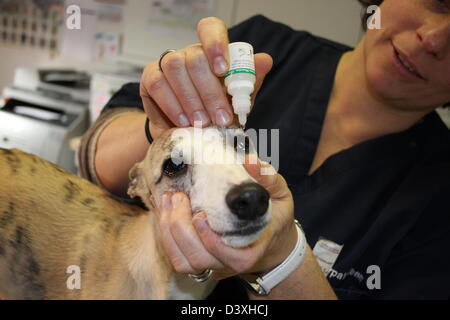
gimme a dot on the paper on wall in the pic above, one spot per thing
(79, 43)
(100, 35)
(178, 17)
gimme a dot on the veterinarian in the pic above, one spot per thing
(365, 156)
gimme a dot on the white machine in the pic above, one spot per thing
(105, 84)
(41, 117)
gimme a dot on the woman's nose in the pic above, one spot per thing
(435, 37)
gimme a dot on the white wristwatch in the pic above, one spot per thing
(263, 284)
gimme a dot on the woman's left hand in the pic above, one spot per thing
(193, 247)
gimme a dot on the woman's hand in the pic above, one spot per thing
(189, 88)
(193, 247)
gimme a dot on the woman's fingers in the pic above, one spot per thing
(177, 259)
(267, 177)
(240, 260)
(186, 237)
(263, 65)
(281, 229)
(178, 77)
(192, 246)
(213, 35)
(189, 89)
(209, 87)
(155, 89)
(180, 240)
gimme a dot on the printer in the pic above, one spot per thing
(42, 111)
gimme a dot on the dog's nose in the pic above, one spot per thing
(248, 201)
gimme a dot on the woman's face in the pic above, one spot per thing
(408, 59)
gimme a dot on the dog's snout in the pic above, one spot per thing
(248, 201)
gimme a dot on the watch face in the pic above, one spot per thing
(261, 291)
(251, 282)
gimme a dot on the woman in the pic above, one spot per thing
(363, 153)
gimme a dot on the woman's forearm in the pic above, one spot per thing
(306, 283)
(120, 145)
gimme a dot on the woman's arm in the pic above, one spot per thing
(306, 283)
(120, 145)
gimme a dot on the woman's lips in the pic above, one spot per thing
(405, 66)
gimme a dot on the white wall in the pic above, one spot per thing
(141, 45)
(336, 20)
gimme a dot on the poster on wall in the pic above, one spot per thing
(100, 34)
(31, 23)
(178, 18)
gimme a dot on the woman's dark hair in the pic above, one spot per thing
(365, 16)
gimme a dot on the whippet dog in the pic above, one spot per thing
(53, 223)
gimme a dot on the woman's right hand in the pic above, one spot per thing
(190, 88)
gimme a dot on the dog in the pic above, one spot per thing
(53, 223)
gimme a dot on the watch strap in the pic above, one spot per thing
(263, 284)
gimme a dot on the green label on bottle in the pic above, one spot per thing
(240, 70)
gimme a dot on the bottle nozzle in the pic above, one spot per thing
(242, 119)
(241, 106)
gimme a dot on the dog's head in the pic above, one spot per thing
(207, 165)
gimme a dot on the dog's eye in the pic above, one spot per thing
(242, 143)
(172, 169)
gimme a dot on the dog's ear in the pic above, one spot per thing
(138, 186)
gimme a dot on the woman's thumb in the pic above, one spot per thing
(263, 65)
(268, 178)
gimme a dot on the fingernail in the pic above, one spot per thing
(200, 225)
(201, 116)
(220, 65)
(222, 118)
(267, 170)
(176, 199)
(252, 159)
(183, 120)
(166, 202)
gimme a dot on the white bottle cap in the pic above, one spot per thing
(241, 105)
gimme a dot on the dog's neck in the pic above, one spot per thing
(146, 261)
(153, 276)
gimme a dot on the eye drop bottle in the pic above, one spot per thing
(240, 79)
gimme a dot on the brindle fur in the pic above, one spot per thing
(51, 219)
